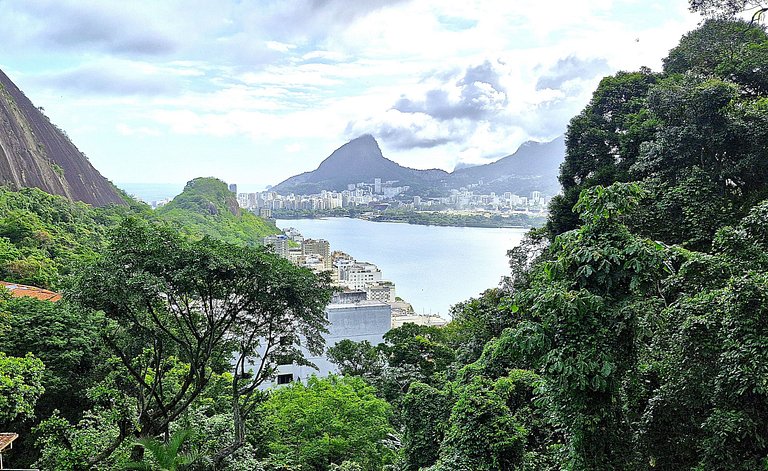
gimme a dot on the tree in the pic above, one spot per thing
(67, 341)
(177, 311)
(711, 407)
(730, 8)
(426, 414)
(356, 358)
(693, 137)
(166, 456)
(20, 386)
(329, 421)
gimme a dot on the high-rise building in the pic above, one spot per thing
(377, 185)
(358, 321)
(233, 188)
(318, 247)
(278, 244)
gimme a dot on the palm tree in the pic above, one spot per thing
(165, 456)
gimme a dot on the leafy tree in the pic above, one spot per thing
(426, 414)
(729, 8)
(710, 409)
(177, 311)
(692, 136)
(68, 343)
(356, 358)
(476, 321)
(602, 142)
(21, 385)
(329, 421)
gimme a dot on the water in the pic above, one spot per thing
(432, 267)
(149, 192)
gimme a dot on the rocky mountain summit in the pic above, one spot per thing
(533, 167)
(35, 153)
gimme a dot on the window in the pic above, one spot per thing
(284, 379)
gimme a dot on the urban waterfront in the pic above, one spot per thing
(432, 267)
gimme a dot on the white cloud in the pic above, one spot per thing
(435, 80)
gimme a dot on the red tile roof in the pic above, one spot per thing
(18, 290)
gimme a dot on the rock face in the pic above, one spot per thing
(36, 153)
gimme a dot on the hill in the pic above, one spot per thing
(36, 153)
(359, 160)
(44, 237)
(206, 207)
(533, 167)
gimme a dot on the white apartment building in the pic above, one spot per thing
(356, 275)
(364, 320)
(382, 291)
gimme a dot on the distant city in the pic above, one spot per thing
(356, 281)
(385, 195)
(364, 306)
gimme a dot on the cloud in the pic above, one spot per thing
(572, 68)
(478, 94)
(111, 78)
(109, 27)
(408, 130)
(317, 18)
(448, 112)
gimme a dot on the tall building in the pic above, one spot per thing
(318, 247)
(382, 291)
(377, 185)
(356, 275)
(278, 244)
(233, 188)
(363, 320)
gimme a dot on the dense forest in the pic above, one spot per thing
(630, 334)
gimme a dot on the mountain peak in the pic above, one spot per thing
(36, 153)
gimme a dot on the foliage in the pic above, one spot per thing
(356, 358)
(178, 311)
(21, 384)
(67, 341)
(206, 207)
(329, 421)
(165, 456)
(691, 136)
(426, 411)
(729, 8)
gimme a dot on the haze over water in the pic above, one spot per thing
(433, 267)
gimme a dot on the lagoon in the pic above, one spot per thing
(433, 267)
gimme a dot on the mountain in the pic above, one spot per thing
(206, 207)
(359, 160)
(36, 153)
(534, 166)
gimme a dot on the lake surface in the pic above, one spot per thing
(433, 267)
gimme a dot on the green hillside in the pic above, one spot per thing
(206, 207)
(43, 236)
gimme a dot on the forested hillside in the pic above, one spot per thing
(631, 333)
(206, 207)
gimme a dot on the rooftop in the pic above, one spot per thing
(17, 290)
(6, 439)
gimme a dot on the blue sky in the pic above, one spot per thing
(256, 91)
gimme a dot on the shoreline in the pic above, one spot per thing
(417, 222)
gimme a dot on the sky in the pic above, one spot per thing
(254, 92)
